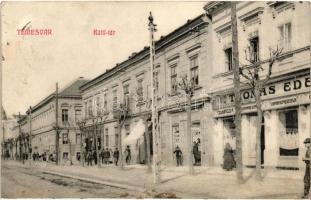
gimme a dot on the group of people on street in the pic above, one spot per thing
(91, 157)
(195, 150)
(43, 157)
(106, 156)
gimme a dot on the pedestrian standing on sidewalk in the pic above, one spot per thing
(178, 154)
(110, 156)
(89, 158)
(195, 151)
(102, 155)
(229, 162)
(106, 156)
(306, 159)
(95, 157)
(116, 156)
(128, 155)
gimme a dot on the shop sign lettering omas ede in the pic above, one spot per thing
(277, 95)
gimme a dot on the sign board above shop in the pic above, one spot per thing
(283, 94)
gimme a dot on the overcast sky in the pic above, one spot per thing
(33, 64)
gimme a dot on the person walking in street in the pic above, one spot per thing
(128, 155)
(306, 159)
(106, 156)
(110, 156)
(95, 157)
(229, 162)
(102, 155)
(89, 158)
(178, 154)
(116, 156)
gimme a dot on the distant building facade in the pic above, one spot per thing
(40, 125)
(286, 98)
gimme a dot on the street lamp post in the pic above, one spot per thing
(81, 127)
(95, 141)
(154, 117)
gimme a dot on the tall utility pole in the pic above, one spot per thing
(310, 75)
(21, 153)
(237, 92)
(56, 126)
(83, 154)
(147, 138)
(30, 134)
(120, 143)
(189, 135)
(154, 117)
(95, 142)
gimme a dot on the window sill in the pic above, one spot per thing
(223, 74)
(174, 94)
(141, 103)
(198, 87)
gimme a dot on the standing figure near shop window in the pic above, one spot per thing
(178, 154)
(306, 159)
(116, 156)
(128, 155)
(229, 162)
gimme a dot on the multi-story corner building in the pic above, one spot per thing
(263, 26)
(182, 52)
(40, 125)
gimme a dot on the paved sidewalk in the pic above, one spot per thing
(206, 183)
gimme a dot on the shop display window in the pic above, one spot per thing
(289, 138)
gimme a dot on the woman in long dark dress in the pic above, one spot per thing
(229, 162)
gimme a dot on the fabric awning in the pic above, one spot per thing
(135, 134)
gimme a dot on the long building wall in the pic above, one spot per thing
(177, 55)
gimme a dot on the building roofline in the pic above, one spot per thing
(212, 6)
(53, 95)
(161, 43)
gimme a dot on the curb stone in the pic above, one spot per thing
(102, 182)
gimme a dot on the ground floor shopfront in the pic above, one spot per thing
(173, 133)
(107, 133)
(172, 129)
(284, 126)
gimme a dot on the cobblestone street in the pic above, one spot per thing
(19, 182)
(41, 179)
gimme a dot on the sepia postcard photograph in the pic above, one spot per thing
(155, 99)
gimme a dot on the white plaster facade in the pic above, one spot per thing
(290, 83)
(174, 50)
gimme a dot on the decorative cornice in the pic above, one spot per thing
(214, 6)
(251, 14)
(181, 32)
